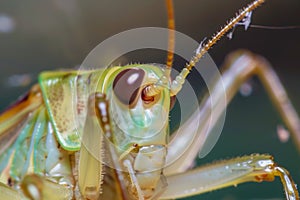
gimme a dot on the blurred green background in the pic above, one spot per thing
(47, 35)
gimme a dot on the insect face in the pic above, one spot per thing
(143, 121)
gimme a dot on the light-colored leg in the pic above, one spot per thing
(36, 187)
(253, 168)
(98, 177)
(239, 66)
(7, 193)
(90, 169)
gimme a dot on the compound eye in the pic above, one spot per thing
(127, 83)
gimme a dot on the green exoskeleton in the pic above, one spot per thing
(103, 133)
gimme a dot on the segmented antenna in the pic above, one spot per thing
(171, 38)
(155, 89)
(176, 84)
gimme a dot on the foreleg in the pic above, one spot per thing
(253, 168)
(36, 187)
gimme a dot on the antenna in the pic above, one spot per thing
(177, 83)
(171, 38)
(155, 89)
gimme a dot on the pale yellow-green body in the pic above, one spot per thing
(66, 174)
(104, 134)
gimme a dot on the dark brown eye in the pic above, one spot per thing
(127, 83)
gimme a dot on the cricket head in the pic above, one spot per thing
(140, 119)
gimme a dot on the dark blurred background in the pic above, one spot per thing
(47, 35)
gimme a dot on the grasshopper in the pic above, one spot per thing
(103, 133)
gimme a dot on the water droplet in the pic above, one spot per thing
(283, 134)
(246, 89)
